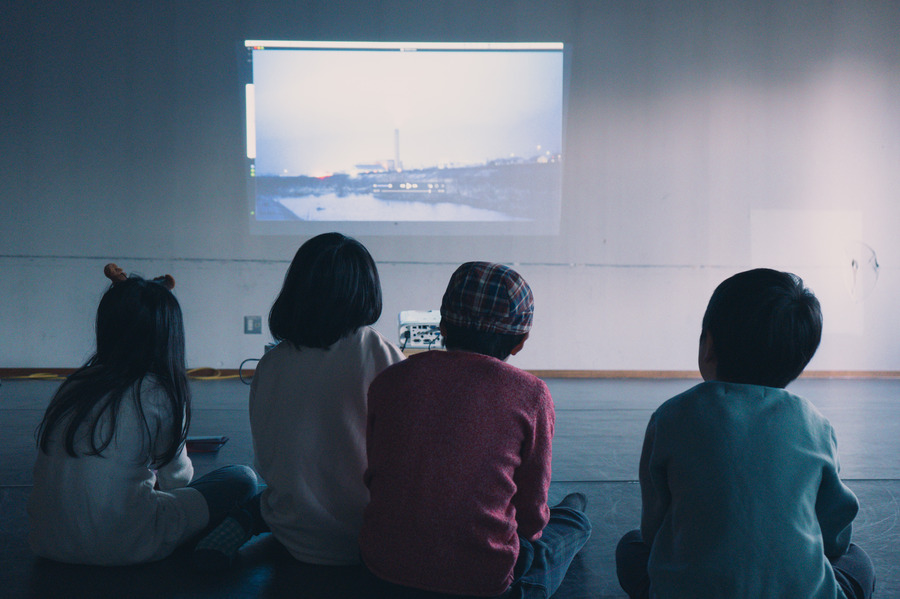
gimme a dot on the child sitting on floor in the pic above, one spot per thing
(459, 458)
(308, 409)
(741, 497)
(111, 477)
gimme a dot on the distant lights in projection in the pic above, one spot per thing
(861, 270)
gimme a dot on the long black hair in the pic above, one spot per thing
(140, 333)
(330, 290)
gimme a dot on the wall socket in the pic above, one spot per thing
(253, 325)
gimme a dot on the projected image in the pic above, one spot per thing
(448, 134)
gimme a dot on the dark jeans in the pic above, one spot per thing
(249, 514)
(540, 568)
(224, 489)
(853, 571)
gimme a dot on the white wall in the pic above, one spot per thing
(702, 140)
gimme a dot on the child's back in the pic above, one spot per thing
(308, 409)
(742, 496)
(459, 455)
(740, 491)
(308, 418)
(103, 509)
(459, 443)
(112, 479)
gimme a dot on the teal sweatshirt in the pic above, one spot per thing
(741, 496)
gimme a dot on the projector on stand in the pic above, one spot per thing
(420, 329)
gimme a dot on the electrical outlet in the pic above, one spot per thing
(253, 325)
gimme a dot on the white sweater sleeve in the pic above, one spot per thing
(177, 473)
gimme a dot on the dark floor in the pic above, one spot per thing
(600, 425)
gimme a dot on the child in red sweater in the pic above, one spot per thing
(459, 447)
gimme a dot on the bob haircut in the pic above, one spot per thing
(765, 327)
(496, 345)
(331, 289)
(140, 333)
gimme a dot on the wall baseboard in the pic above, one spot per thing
(229, 373)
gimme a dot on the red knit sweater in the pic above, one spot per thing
(458, 468)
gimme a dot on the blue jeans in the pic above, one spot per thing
(853, 571)
(249, 514)
(540, 567)
(223, 489)
(542, 564)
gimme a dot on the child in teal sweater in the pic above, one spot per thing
(741, 496)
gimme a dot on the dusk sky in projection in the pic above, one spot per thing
(321, 112)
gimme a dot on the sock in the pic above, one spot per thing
(217, 550)
(575, 501)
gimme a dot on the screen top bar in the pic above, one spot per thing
(409, 46)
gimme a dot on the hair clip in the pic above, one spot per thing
(117, 275)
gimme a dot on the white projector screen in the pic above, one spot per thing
(383, 138)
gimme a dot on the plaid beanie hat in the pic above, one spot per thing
(488, 297)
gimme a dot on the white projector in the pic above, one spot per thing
(420, 329)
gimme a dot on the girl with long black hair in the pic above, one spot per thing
(111, 479)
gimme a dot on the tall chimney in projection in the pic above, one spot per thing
(397, 166)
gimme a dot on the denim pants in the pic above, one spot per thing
(853, 571)
(249, 514)
(540, 567)
(223, 489)
(542, 564)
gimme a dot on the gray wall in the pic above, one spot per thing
(702, 139)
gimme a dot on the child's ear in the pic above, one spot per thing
(520, 345)
(707, 360)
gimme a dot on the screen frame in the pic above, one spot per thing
(548, 226)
